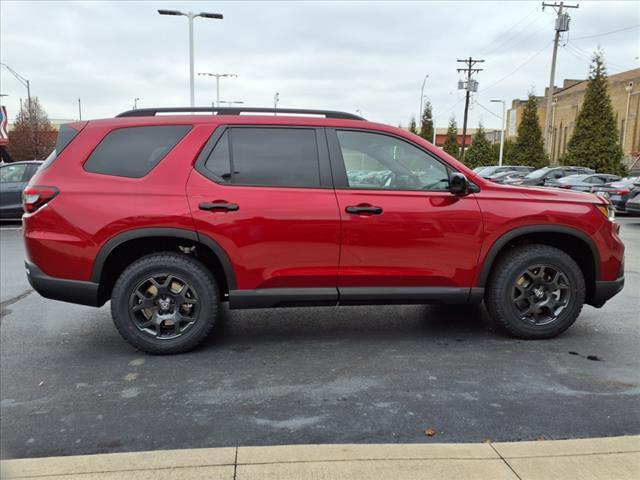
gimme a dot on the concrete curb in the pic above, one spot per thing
(597, 458)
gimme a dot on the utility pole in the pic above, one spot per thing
(79, 110)
(562, 25)
(470, 86)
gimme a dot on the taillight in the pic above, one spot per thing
(618, 192)
(34, 197)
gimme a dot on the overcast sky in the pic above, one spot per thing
(367, 56)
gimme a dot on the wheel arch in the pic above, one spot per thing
(572, 241)
(119, 251)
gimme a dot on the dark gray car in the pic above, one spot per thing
(13, 178)
(582, 183)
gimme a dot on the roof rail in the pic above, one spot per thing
(150, 112)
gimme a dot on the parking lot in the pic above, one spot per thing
(70, 384)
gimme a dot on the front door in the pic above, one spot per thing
(264, 194)
(404, 235)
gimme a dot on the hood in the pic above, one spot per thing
(556, 194)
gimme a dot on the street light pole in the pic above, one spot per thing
(422, 99)
(79, 109)
(218, 75)
(629, 89)
(135, 103)
(502, 130)
(190, 16)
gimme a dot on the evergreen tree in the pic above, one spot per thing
(413, 128)
(426, 123)
(451, 143)
(529, 146)
(595, 140)
(480, 152)
(32, 137)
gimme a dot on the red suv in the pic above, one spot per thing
(168, 216)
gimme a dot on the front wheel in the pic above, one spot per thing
(165, 303)
(535, 292)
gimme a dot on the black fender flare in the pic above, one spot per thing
(181, 233)
(529, 229)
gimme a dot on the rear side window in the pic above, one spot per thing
(284, 157)
(65, 135)
(135, 151)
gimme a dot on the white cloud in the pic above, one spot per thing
(370, 56)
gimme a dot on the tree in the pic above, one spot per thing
(32, 137)
(426, 123)
(451, 142)
(412, 126)
(480, 152)
(529, 146)
(595, 140)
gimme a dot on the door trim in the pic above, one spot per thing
(316, 297)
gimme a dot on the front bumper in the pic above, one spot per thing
(73, 291)
(605, 291)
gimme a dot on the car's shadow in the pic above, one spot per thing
(370, 323)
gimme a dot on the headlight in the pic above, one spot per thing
(608, 211)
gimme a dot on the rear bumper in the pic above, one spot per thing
(605, 291)
(73, 291)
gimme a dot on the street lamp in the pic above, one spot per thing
(422, 98)
(24, 82)
(135, 103)
(191, 16)
(502, 127)
(628, 88)
(276, 99)
(218, 75)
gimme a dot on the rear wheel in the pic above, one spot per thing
(165, 303)
(535, 291)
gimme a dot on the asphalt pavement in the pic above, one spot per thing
(70, 385)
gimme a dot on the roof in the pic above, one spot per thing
(628, 75)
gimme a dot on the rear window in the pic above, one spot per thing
(65, 135)
(133, 152)
(283, 157)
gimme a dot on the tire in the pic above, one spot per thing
(519, 296)
(165, 303)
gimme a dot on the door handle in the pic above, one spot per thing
(364, 209)
(232, 207)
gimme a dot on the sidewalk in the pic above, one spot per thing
(599, 458)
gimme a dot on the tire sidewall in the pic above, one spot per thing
(576, 287)
(187, 269)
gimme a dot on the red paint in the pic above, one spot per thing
(295, 237)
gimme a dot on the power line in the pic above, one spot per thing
(486, 109)
(518, 67)
(510, 38)
(607, 33)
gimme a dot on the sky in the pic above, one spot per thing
(370, 57)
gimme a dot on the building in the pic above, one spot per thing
(624, 89)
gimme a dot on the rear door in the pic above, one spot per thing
(405, 237)
(12, 182)
(265, 195)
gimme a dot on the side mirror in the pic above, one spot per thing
(458, 184)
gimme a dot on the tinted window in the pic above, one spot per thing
(133, 152)
(12, 173)
(382, 162)
(286, 157)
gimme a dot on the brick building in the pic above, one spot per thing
(624, 89)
